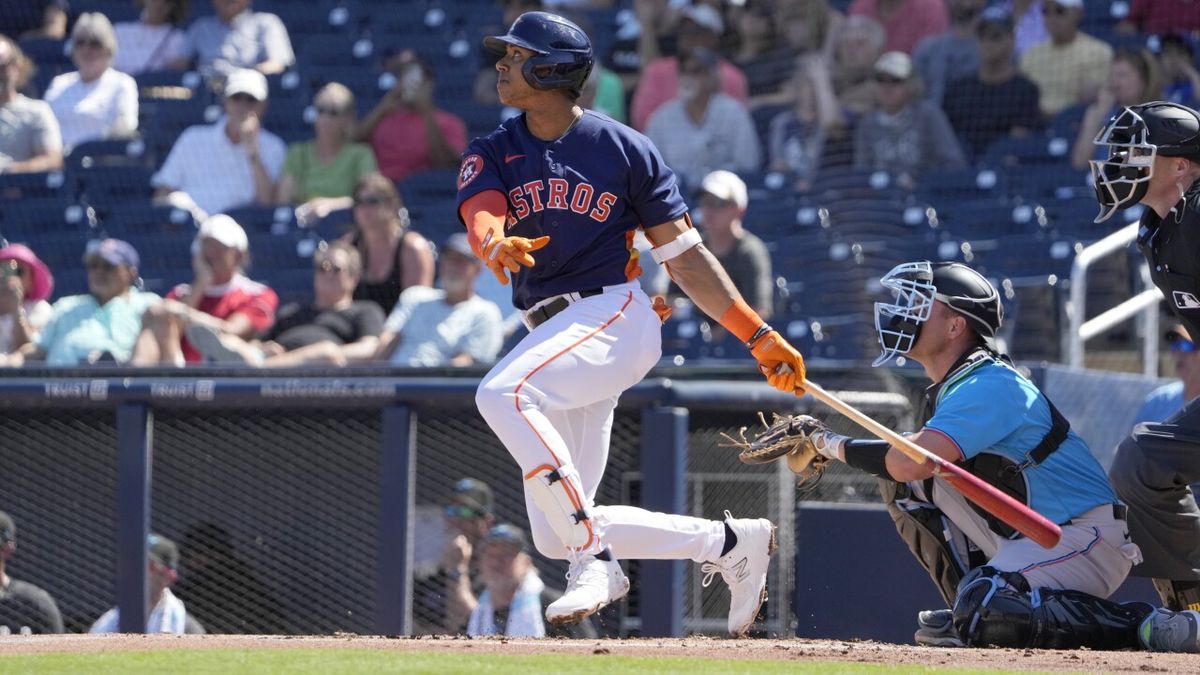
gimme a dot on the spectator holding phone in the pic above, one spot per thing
(406, 131)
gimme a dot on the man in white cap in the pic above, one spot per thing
(699, 27)
(1071, 66)
(232, 163)
(904, 135)
(220, 297)
(723, 200)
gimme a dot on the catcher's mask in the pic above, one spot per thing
(1134, 137)
(915, 286)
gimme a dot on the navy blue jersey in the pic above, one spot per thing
(589, 190)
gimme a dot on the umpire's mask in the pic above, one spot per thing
(916, 285)
(1122, 179)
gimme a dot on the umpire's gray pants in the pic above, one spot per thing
(1152, 472)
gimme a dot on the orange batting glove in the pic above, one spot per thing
(510, 253)
(778, 361)
(661, 308)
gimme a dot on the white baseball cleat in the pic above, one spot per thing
(744, 569)
(591, 584)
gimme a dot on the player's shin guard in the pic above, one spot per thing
(998, 609)
(558, 492)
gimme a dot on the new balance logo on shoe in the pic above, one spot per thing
(739, 569)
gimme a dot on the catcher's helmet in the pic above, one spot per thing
(1134, 137)
(564, 53)
(916, 285)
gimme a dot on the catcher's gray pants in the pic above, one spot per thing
(1152, 473)
(1094, 555)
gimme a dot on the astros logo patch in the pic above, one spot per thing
(470, 170)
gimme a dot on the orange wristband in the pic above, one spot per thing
(741, 320)
(484, 214)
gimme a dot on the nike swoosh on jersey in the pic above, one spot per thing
(509, 158)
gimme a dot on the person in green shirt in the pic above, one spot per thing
(319, 175)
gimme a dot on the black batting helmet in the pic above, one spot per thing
(564, 53)
(1133, 138)
(916, 285)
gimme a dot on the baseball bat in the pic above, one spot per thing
(1015, 514)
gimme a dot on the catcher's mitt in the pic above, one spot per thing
(789, 436)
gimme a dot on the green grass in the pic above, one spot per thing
(325, 661)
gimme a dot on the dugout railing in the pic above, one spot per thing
(309, 502)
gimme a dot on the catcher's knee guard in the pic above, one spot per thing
(921, 526)
(998, 609)
(558, 492)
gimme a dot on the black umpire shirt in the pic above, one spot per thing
(1172, 248)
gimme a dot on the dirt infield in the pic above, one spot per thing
(779, 650)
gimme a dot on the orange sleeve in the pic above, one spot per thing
(484, 215)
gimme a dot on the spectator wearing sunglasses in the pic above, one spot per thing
(904, 134)
(444, 600)
(213, 168)
(101, 325)
(1071, 66)
(334, 329)
(1170, 399)
(96, 101)
(394, 256)
(320, 174)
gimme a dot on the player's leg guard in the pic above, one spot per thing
(921, 526)
(558, 492)
(998, 609)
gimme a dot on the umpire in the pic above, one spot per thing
(1154, 160)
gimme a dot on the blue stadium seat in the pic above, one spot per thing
(115, 10)
(170, 250)
(436, 220)
(269, 252)
(977, 218)
(120, 152)
(1050, 181)
(61, 251)
(481, 118)
(143, 217)
(110, 185)
(335, 49)
(317, 17)
(270, 218)
(48, 53)
(940, 185)
(30, 217)
(429, 186)
(1008, 151)
(843, 182)
(40, 184)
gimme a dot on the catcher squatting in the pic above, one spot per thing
(1004, 590)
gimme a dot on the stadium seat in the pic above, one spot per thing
(106, 186)
(1008, 151)
(436, 220)
(272, 218)
(842, 182)
(1051, 181)
(335, 49)
(145, 218)
(115, 10)
(429, 186)
(40, 184)
(61, 251)
(117, 152)
(26, 219)
(48, 53)
(941, 185)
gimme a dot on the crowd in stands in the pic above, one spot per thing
(174, 143)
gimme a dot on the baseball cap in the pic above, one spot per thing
(8, 528)
(896, 64)
(506, 533)
(995, 17)
(705, 17)
(43, 281)
(223, 229)
(458, 243)
(246, 81)
(473, 494)
(726, 186)
(113, 251)
(163, 551)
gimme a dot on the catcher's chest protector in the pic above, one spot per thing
(997, 470)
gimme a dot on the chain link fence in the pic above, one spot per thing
(276, 509)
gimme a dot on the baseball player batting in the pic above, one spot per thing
(551, 199)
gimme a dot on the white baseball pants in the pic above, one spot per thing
(551, 400)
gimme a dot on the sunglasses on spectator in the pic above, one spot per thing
(457, 511)
(712, 202)
(243, 98)
(370, 201)
(888, 79)
(331, 112)
(1053, 9)
(1182, 346)
(99, 264)
(88, 42)
(325, 267)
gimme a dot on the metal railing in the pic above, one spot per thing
(1144, 305)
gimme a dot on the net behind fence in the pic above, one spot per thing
(276, 511)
